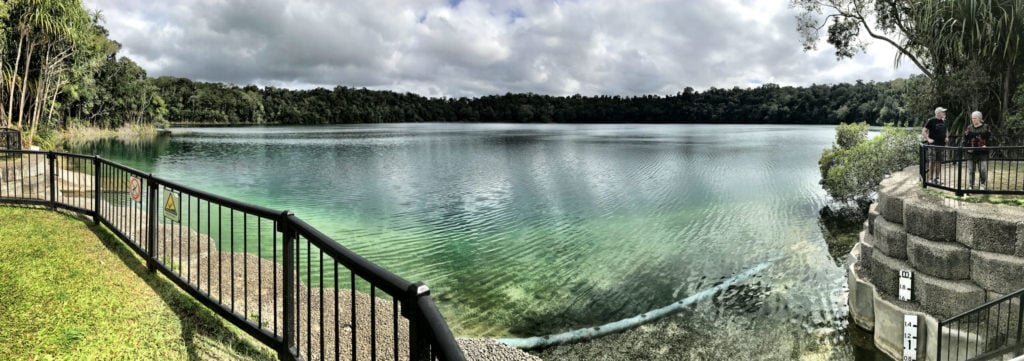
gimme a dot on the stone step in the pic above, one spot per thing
(890, 239)
(997, 272)
(929, 219)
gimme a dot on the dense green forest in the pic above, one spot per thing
(198, 102)
(61, 69)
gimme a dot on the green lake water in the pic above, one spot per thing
(531, 229)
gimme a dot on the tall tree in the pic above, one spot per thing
(49, 33)
(971, 49)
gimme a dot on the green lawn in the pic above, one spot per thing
(71, 290)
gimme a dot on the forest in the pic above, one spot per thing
(60, 69)
(192, 102)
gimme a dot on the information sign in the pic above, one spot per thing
(172, 206)
(135, 189)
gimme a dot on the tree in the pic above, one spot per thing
(971, 49)
(49, 33)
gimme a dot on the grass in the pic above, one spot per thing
(71, 290)
(79, 134)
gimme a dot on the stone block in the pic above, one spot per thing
(890, 207)
(930, 220)
(890, 239)
(946, 260)
(997, 272)
(988, 231)
(861, 300)
(885, 273)
(945, 298)
(872, 215)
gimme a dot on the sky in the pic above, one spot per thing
(472, 48)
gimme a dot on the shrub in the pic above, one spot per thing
(852, 169)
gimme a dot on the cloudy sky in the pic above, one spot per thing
(474, 47)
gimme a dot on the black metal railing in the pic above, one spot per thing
(969, 170)
(266, 271)
(10, 139)
(989, 331)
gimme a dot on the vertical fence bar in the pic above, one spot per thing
(154, 222)
(355, 345)
(51, 157)
(289, 240)
(922, 164)
(1020, 317)
(938, 348)
(96, 188)
(373, 322)
(959, 170)
(419, 348)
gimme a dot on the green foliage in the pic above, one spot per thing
(849, 135)
(191, 102)
(972, 50)
(852, 173)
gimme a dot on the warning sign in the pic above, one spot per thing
(135, 189)
(172, 210)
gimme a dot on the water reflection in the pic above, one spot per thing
(526, 230)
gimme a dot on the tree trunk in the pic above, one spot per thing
(14, 77)
(24, 85)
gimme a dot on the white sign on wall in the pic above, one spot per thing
(906, 283)
(909, 337)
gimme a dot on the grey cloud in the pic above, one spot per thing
(478, 47)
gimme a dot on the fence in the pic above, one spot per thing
(987, 332)
(266, 271)
(996, 170)
(10, 139)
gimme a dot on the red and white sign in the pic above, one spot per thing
(135, 189)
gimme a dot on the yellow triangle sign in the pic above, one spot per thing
(171, 207)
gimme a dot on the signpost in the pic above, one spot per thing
(172, 206)
(909, 337)
(906, 283)
(135, 189)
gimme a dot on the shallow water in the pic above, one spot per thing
(527, 229)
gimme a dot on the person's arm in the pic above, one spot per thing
(924, 132)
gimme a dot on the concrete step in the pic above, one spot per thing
(946, 260)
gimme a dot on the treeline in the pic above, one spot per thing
(59, 68)
(190, 102)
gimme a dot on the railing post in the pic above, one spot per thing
(959, 170)
(289, 237)
(938, 343)
(1020, 318)
(419, 346)
(52, 160)
(922, 157)
(96, 189)
(154, 222)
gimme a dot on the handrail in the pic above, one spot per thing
(211, 230)
(984, 332)
(973, 170)
(382, 278)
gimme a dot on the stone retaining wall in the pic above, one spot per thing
(962, 255)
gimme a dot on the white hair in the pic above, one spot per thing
(978, 113)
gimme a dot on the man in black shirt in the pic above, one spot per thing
(935, 134)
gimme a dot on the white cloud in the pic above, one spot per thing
(480, 47)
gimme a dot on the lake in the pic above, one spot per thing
(532, 229)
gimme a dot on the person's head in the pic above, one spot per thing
(940, 113)
(976, 118)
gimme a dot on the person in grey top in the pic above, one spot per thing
(976, 138)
